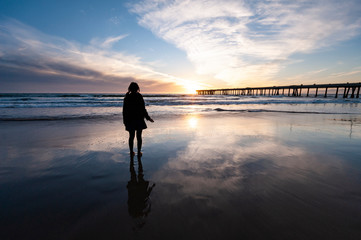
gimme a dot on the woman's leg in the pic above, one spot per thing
(131, 141)
(139, 140)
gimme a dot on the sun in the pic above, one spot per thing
(191, 88)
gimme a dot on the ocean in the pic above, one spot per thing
(65, 106)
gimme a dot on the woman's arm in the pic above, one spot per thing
(146, 115)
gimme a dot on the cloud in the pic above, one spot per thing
(307, 76)
(25, 49)
(114, 20)
(236, 40)
(108, 42)
(344, 74)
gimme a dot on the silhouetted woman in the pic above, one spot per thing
(134, 113)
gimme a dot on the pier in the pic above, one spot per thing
(346, 90)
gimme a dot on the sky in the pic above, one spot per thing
(176, 46)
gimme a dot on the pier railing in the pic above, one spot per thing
(351, 90)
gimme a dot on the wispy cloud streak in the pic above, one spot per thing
(344, 74)
(249, 40)
(108, 42)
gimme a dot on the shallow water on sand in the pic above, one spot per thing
(216, 176)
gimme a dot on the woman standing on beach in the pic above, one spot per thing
(134, 113)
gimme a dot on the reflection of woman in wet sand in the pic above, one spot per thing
(138, 194)
(134, 113)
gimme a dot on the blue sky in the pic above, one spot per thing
(176, 46)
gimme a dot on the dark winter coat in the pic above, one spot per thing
(134, 112)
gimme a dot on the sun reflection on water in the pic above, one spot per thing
(193, 122)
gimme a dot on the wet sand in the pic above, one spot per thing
(216, 176)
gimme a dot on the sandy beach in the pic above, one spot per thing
(216, 175)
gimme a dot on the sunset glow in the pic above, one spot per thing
(191, 88)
